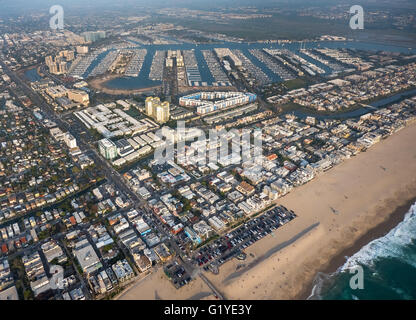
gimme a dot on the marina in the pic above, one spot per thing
(156, 70)
(273, 65)
(216, 70)
(105, 64)
(216, 152)
(285, 58)
(335, 67)
(256, 72)
(80, 66)
(135, 65)
(191, 67)
(309, 67)
(196, 61)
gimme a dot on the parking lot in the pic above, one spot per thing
(233, 243)
(176, 272)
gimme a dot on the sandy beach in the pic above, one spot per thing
(340, 211)
(157, 287)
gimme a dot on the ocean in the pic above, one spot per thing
(389, 265)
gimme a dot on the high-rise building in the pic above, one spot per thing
(62, 67)
(157, 110)
(107, 148)
(59, 64)
(150, 102)
(162, 112)
(93, 36)
(49, 60)
(67, 54)
(53, 68)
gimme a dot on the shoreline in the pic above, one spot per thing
(354, 203)
(338, 213)
(372, 234)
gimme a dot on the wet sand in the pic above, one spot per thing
(379, 231)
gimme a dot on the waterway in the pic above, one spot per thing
(303, 112)
(142, 81)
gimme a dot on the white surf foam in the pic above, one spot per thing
(392, 245)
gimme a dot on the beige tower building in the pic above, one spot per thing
(157, 110)
(150, 102)
(62, 67)
(49, 60)
(53, 68)
(162, 112)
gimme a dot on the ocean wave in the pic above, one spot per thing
(321, 282)
(392, 245)
(402, 293)
(395, 245)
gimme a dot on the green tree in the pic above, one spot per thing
(28, 295)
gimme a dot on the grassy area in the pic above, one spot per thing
(296, 83)
(278, 27)
(283, 87)
(22, 284)
(290, 106)
(239, 223)
(78, 266)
